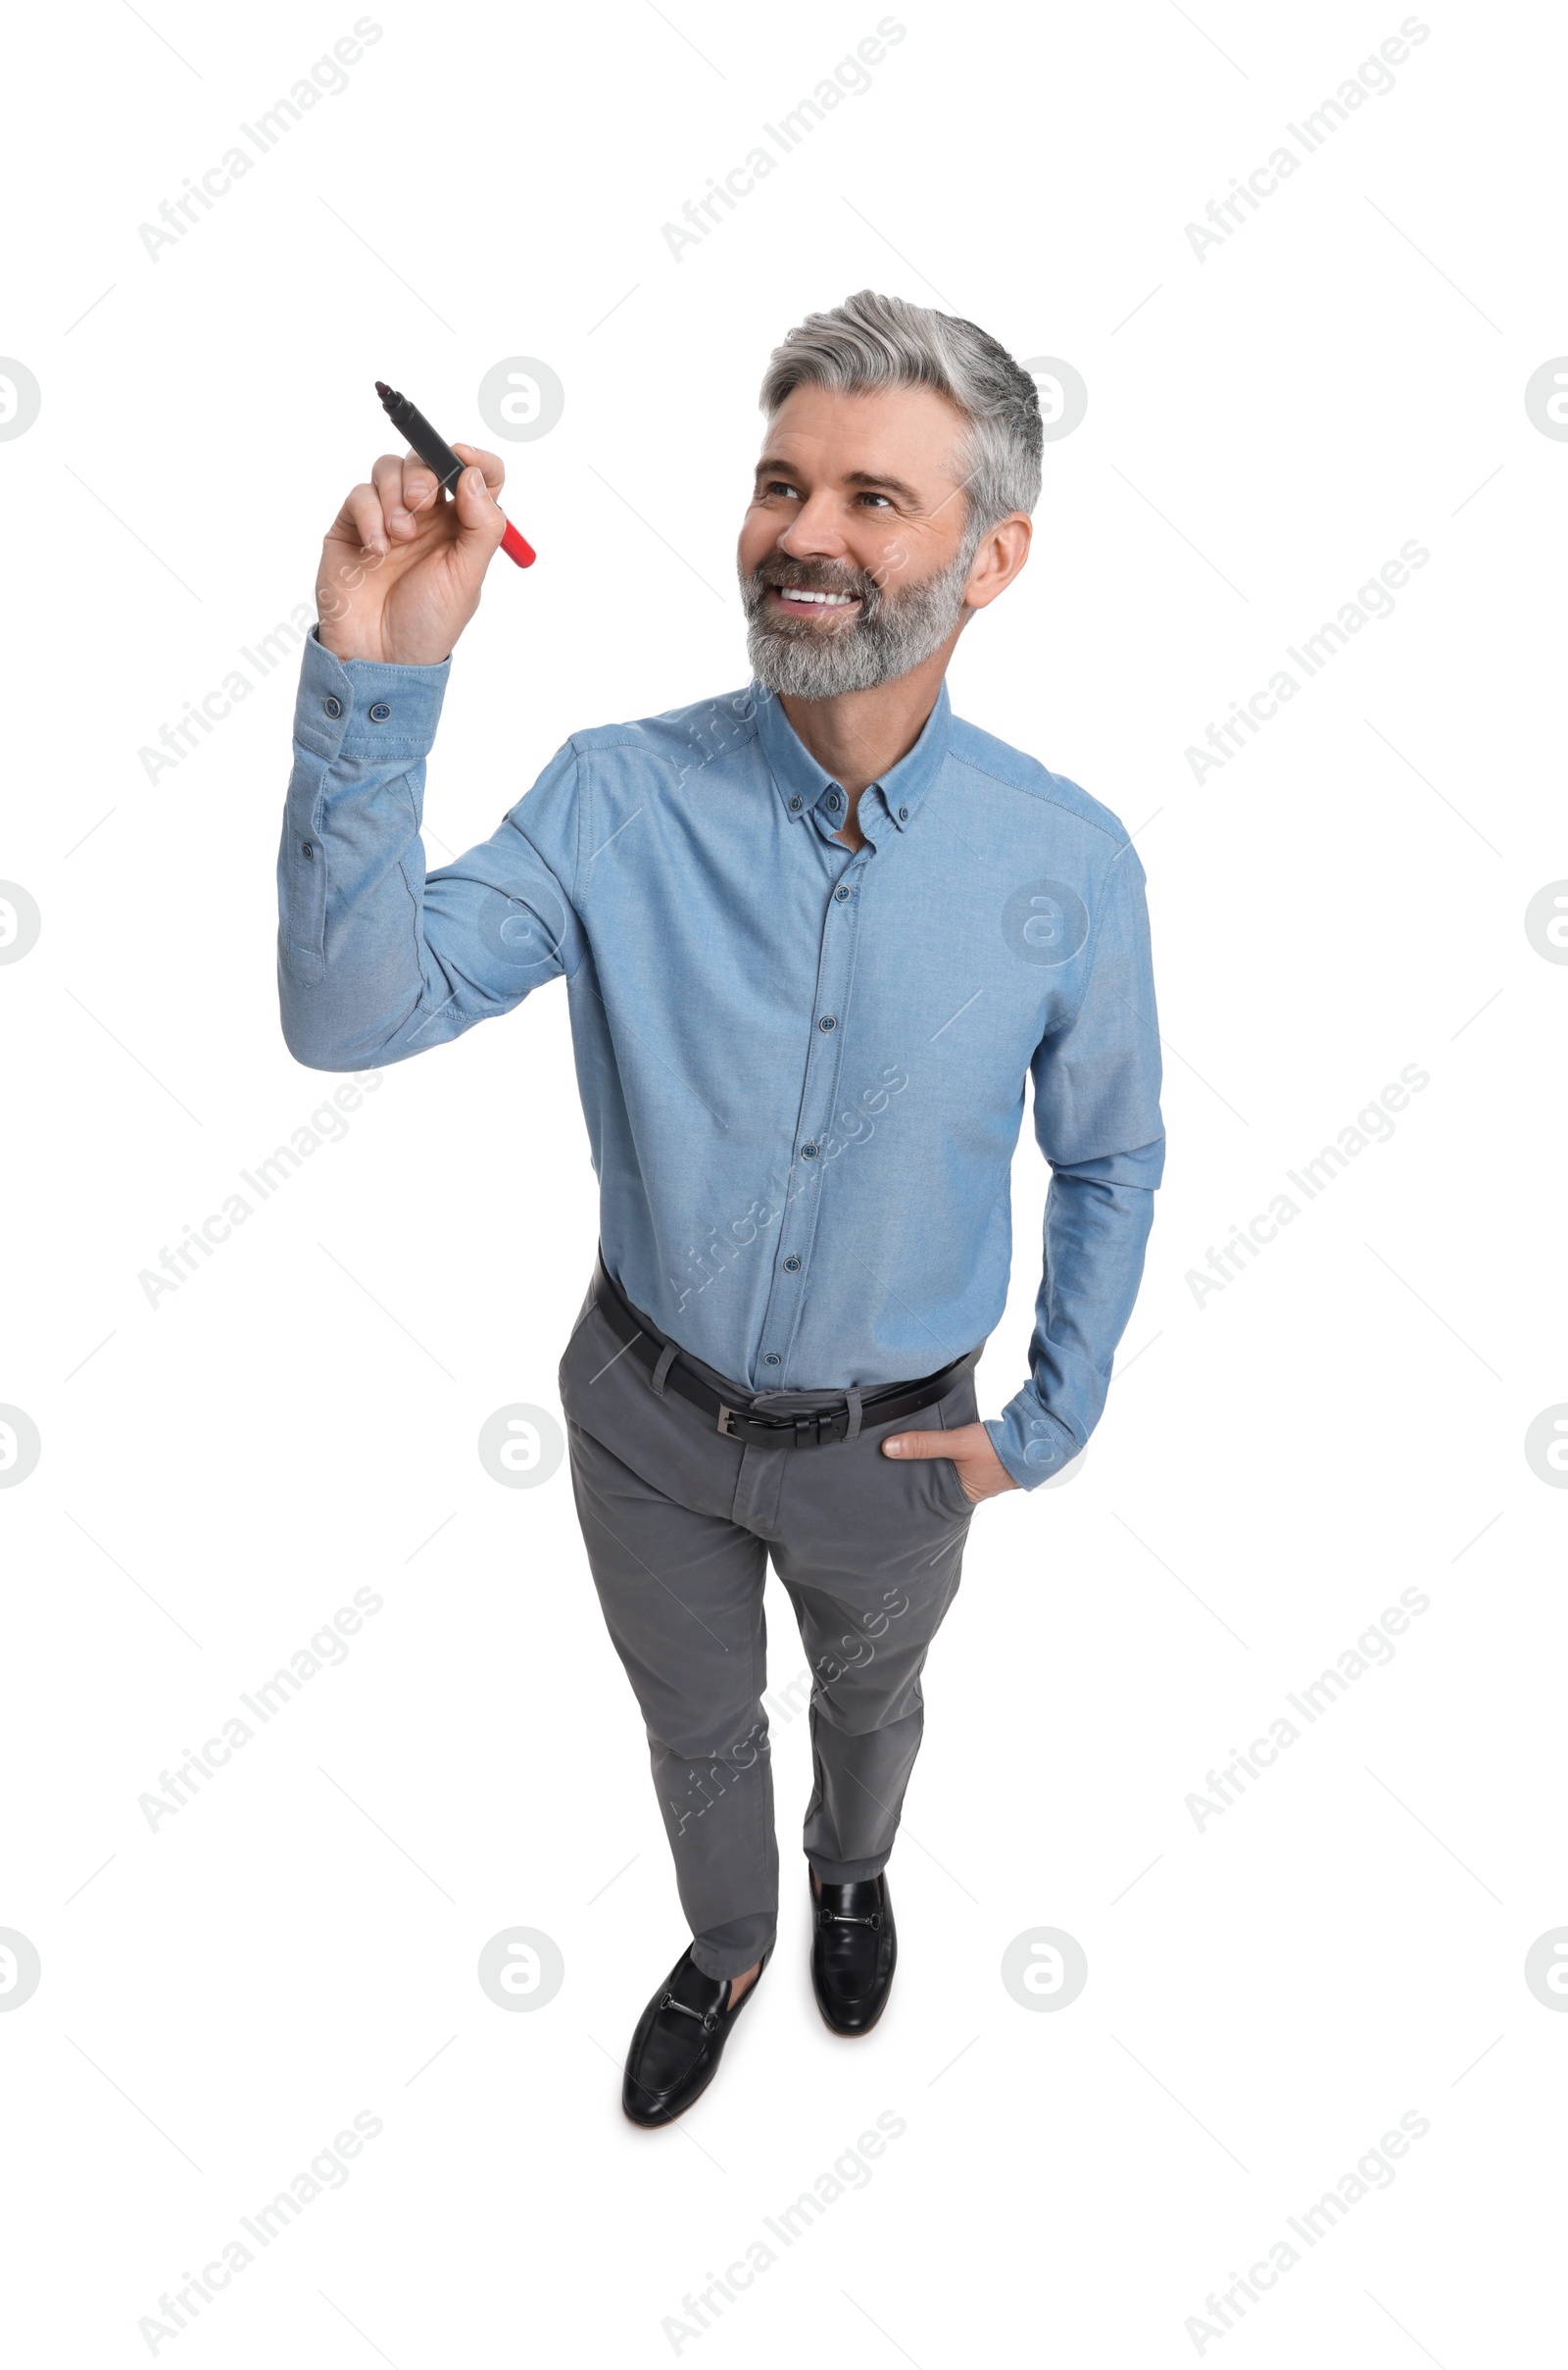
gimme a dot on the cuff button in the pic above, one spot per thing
(379, 712)
(332, 704)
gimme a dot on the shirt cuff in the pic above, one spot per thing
(362, 709)
(1034, 1446)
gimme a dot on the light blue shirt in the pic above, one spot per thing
(803, 1069)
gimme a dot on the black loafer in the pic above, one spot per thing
(679, 2041)
(854, 1949)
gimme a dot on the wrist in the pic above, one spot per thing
(344, 646)
(350, 648)
(1030, 1446)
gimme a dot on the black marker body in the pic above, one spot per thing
(432, 449)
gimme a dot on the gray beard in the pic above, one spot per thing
(890, 635)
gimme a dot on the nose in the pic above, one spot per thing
(813, 532)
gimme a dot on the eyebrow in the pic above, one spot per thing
(862, 478)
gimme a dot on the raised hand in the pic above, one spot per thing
(403, 565)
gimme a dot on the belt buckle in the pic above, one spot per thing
(726, 1421)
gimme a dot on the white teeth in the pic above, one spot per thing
(827, 600)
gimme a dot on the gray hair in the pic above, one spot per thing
(881, 341)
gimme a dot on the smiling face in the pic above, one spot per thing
(853, 554)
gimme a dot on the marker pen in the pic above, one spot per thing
(437, 454)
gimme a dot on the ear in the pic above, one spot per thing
(999, 556)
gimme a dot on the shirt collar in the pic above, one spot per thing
(802, 782)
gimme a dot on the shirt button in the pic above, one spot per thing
(771, 1359)
(809, 1152)
(840, 896)
(792, 1265)
(832, 801)
(795, 806)
(332, 704)
(379, 712)
(904, 814)
(827, 1022)
(307, 850)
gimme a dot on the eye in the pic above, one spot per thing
(885, 499)
(777, 485)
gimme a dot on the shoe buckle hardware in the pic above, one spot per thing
(841, 1917)
(707, 2018)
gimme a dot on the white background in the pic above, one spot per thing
(1267, 1994)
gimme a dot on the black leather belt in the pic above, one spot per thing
(735, 1416)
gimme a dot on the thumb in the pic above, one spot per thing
(918, 1444)
(481, 522)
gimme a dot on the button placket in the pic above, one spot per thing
(824, 1060)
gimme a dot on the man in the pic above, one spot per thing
(815, 936)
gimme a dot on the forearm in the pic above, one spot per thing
(378, 961)
(1096, 1232)
(350, 866)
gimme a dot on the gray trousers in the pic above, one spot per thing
(679, 1522)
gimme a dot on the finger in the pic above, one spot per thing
(494, 467)
(421, 484)
(918, 1444)
(389, 478)
(362, 515)
(480, 521)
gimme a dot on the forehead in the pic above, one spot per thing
(907, 432)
